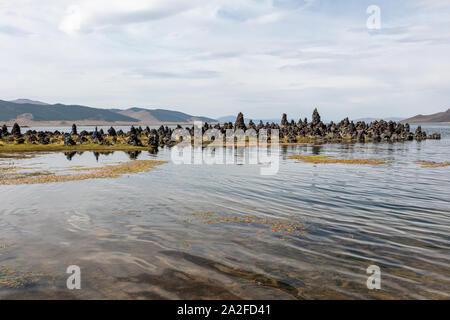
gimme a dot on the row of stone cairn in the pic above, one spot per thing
(290, 131)
(378, 131)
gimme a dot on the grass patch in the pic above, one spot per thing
(323, 159)
(432, 164)
(114, 171)
(29, 147)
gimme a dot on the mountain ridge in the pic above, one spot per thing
(29, 112)
(57, 112)
(28, 101)
(435, 117)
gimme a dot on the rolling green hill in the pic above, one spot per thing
(37, 111)
(58, 112)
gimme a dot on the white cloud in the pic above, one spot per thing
(434, 3)
(217, 57)
(71, 23)
(90, 15)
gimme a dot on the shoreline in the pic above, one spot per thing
(30, 148)
(11, 148)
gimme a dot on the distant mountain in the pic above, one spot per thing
(29, 111)
(161, 115)
(28, 101)
(396, 119)
(437, 117)
(57, 112)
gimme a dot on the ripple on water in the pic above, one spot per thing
(309, 232)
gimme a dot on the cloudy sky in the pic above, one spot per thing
(218, 57)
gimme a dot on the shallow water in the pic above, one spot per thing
(225, 231)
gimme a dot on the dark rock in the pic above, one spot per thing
(134, 141)
(240, 124)
(32, 139)
(44, 140)
(284, 121)
(112, 132)
(82, 140)
(74, 129)
(15, 131)
(153, 140)
(291, 138)
(315, 116)
(133, 131)
(436, 136)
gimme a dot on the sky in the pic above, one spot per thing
(219, 57)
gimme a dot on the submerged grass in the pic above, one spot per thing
(100, 173)
(323, 159)
(280, 226)
(274, 225)
(432, 164)
(12, 278)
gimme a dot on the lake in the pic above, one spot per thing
(227, 232)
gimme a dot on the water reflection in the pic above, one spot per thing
(69, 155)
(134, 155)
(241, 155)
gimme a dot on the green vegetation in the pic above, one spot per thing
(12, 278)
(280, 226)
(59, 112)
(61, 147)
(432, 164)
(120, 145)
(113, 171)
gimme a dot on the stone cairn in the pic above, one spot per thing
(290, 132)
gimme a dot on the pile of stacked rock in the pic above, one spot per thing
(290, 132)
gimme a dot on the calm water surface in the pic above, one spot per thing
(227, 232)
